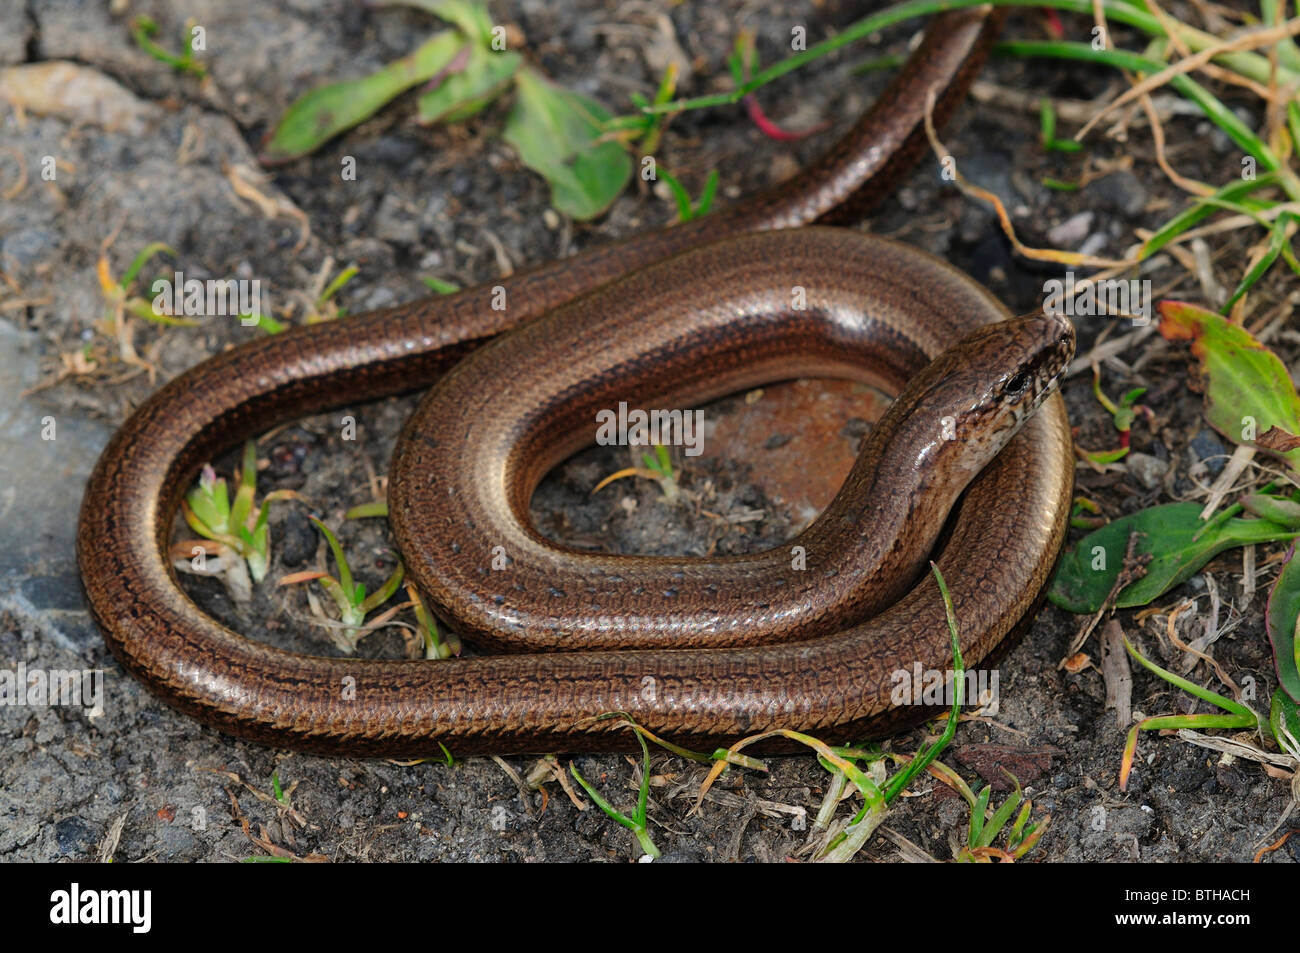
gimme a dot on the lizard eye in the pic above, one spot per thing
(1016, 386)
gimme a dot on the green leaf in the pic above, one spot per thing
(478, 73)
(1249, 64)
(267, 323)
(1287, 53)
(259, 562)
(144, 29)
(1000, 817)
(243, 505)
(341, 279)
(326, 111)
(1283, 716)
(473, 19)
(1278, 509)
(364, 510)
(899, 782)
(331, 586)
(1169, 534)
(1240, 716)
(465, 92)
(680, 195)
(686, 209)
(1047, 119)
(1107, 456)
(385, 592)
(609, 809)
(1248, 388)
(210, 503)
(556, 134)
(1280, 620)
(977, 817)
(708, 194)
(440, 286)
(144, 310)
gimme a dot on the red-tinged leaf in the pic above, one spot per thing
(1247, 388)
(770, 129)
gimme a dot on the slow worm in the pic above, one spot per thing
(696, 649)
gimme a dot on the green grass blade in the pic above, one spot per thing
(1227, 704)
(345, 572)
(1214, 110)
(1276, 242)
(1202, 208)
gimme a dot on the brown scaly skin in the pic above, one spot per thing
(1003, 542)
(717, 320)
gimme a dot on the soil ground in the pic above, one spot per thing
(142, 782)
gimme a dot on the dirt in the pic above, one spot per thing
(141, 782)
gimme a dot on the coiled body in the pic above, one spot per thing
(881, 312)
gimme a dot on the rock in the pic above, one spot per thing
(298, 539)
(1206, 447)
(76, 93)
(1146, 469)
(27, 247)
(1071, 232)
(45, 457)
(75, 837)
(17, 32)
(992, 171)
(395, 222)
(677, 857)
(1121, 191)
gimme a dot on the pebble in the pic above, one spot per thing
(1071, 232)
(1094, 244)
(1148, 470)
(1120, 190)
(1207, 447)
(74, 836)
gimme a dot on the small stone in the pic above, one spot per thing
(1205, 446)
(298, 540)
(1120, 190)
(27, 247)
(1093, 244)
(993, 172)
(74, 836)
(1072, 231)
(380, 298)
(1146, 469)
(394, 222)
